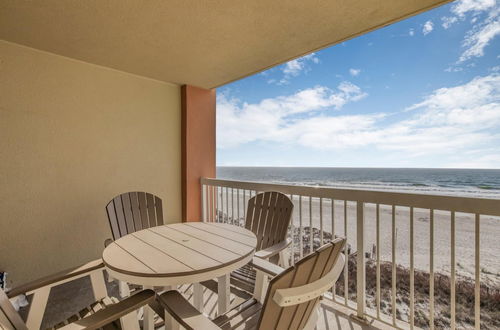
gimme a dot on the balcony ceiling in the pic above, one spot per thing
(196, 42)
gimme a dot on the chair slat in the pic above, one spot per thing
(120, 216)
(141, 196)
(113, 221)
(159, 211)
(286, 208)
(279, 222)
(256, 214)
(134, 203)
(127, 212)
(264, 211)
(151, 209)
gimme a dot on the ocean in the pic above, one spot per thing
(457, 182)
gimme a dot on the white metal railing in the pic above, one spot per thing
(219, 205)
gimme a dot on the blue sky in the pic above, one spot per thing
(424, 92)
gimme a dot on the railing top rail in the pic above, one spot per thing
(484, 206)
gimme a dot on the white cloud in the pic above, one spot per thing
(448, 21)
(354, 72)
(480, 36)
(448, 121)
(428, 27)
(477, 92)
(294, 68)
(411, 32)
(270, 119)
(464, 6)
(482, 32)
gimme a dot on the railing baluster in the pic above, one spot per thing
(346, 253)
(227, 205)
(393, 253)
(209, 201)
(477, 286)
(377, 244)
(244, 205)
(431, 271)
(214, 202)
(209, 204)
(203, 203)
(232, 206)
(221, 210)
(216, 195)
(321, 221)
(452, 280)
(301, 229)
(292, 229)
(311, 231)
(238, 206)
(333, 237)
(360, 262)
(412, 272)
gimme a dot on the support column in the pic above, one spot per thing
(198, 146)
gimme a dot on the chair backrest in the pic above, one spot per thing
(307, 272)
(268, 216)
(9, 318)
(133, 211)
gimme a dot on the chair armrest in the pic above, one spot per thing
(273, 250)
(113, 312)
(300, 294)
(266, 267)
(183, 312)
(65, 275)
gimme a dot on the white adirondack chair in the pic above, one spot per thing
(291, 302)
(104, 312)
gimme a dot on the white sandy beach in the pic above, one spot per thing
(465, 258)
(465, 235)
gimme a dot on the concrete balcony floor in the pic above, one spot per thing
(69, 298)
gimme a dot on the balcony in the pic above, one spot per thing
(411, 258)
(100, 99)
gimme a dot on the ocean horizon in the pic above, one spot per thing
(484, 183)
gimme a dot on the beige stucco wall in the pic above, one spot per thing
(72, 136)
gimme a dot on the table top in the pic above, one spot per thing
(181, 249)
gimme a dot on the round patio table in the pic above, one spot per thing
(181, 253)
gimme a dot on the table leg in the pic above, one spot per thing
(198, 296)
(123, 289)
(223, 293)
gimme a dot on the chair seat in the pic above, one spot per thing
(244, 278)
(89, 310)
(244, 316)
